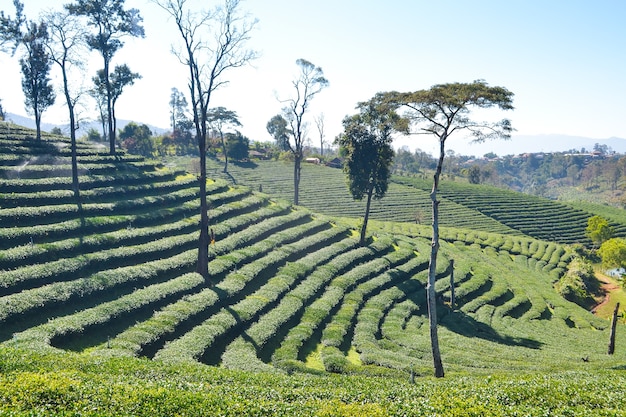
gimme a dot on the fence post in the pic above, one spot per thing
(452, 284)
(613, 327)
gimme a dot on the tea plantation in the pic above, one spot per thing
(101, 312)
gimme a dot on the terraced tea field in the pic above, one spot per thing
(463, 205)
(290, 290)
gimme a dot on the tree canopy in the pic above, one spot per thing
(598, 230)
(613, 253)
(445, 108)
(278, 127)
(111, 24)
(35, 63)
(36, 83)
(366, 144)
(221, 118)
(441, 111)
(237, 146)
(137, 139)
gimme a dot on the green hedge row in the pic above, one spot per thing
(69, 268)
(54, 331)
(167, 320)
(43, 171)
(40, 298)
(29, 216)
(15, 236)
(311, 276)
(335, 332)
(63, 291)
(193, 344)
(94, 195)
(368, 325)
(316, 313)
(93, 181)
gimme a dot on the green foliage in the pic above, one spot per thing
(473, 174)
(286, 285)
(366, 146)
(598, 230)
(579, 284)
(237, 146)
(137, 139)
(278, 128)
(56, 384)
(111, 22)
(444, 108)
(38, 92)
(366, 141)
(613, 253)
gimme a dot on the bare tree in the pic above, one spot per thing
(319, 123)
(66, 48)
(178, 106)
(213, 43)
(310, 81)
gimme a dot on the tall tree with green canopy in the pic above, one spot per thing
(213, 42)
(237, 146)
(219, 119)
(598, 230)
(613, 253)
(308, 84)
(441, 111)
(278, 127)
(366, 143)
(137, 139)
(120, 78)
(35, 64)
(11, 28)
(111, 24)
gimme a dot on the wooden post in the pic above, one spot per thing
(613, 327)
(452, 284)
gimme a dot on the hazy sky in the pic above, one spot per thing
(565, 60)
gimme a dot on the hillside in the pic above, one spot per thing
(463, 205)
(291, 291)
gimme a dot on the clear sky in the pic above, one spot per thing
(565, 60)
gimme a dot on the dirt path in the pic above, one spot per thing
(609, 285)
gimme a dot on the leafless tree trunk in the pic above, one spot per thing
(207, 58)
(319, 123)
(66, 47)
(367, 214)
(310, 82)
(431, 295)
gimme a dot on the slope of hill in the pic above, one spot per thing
(476, 207)
(290, 290)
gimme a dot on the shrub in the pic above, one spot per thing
(579, 284)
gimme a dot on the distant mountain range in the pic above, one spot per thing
(518, 144)
(542, 143)
(85, 126)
